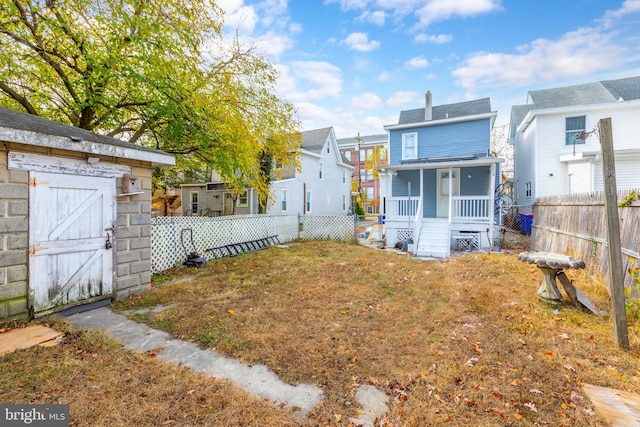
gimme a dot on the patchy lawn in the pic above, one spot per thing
(459, 342)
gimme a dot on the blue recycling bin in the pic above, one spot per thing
(381, 219)
(526, 220)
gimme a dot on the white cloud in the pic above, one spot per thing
(440, 10)
(377, 17)
(628, 7)
(366, 101)
(433, 38)
(416, 63)
(325, 80)
(360, 42)
(272, 44)
(577, 53)
(383, 76)
(402, 98)
(295, 28)
(241, 18)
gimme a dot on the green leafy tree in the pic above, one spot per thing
(152, 72)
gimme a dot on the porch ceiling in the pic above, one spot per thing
(442, 163)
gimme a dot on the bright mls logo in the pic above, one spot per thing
(34, 415)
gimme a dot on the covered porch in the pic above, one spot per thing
(439, 205)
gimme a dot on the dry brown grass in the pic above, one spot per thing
(106, 385)
(459, 342)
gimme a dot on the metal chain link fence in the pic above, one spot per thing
(169, 245)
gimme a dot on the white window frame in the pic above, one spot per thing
(321, 170)
(243, 196)
(528, 189)
(574, 132)
(347, 154)
(344, 176)
(406, 155)
(371, 194)
(344, 202)
(307, 201)
(283, 200)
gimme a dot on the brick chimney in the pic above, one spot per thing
(427, 107)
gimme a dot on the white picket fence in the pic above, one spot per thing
(167, 249)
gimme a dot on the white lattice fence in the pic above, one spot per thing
(340, 228)
(166, 242)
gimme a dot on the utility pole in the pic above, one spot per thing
(616, 278)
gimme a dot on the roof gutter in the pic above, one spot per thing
(492, 115)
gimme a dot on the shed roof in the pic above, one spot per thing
(16, 126)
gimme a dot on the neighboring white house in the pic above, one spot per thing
(322, 187)
(549, 159)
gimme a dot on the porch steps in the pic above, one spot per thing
(434, 239)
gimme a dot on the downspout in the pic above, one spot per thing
(492, 195)
(450, 193)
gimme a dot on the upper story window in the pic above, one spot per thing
(362, 155)
(409, 146)
(321, 170)
(528, 189)
(382, 152)
(347, 154)
(283, 199)
(344, 176)
(573, 127)
(328, 148)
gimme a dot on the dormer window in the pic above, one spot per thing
(328, 148)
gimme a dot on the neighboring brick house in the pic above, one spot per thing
(357, 150)
(75, 215)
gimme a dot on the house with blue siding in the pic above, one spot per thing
(440, 182)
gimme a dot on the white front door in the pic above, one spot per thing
(443, 190)
(70, 219)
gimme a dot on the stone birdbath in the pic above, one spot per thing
(551, 264)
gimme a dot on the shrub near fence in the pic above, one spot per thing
(575, 225)
(167, 247)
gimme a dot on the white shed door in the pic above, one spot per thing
(70, 218)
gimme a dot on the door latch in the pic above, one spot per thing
(107, 244)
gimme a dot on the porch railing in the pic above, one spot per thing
(464, 208)
(402, 206)
(472, 208)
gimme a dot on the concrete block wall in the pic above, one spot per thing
(14, 233)
(133, 237)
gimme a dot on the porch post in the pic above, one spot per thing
(421, 191)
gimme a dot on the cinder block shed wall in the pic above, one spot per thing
(14, 233)
(132, 237)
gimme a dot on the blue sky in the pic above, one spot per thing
(355, 64)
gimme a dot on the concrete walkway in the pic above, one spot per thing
(256, 380)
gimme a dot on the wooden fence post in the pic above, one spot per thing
(616, 277)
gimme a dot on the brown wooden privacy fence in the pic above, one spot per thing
(575, 225)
